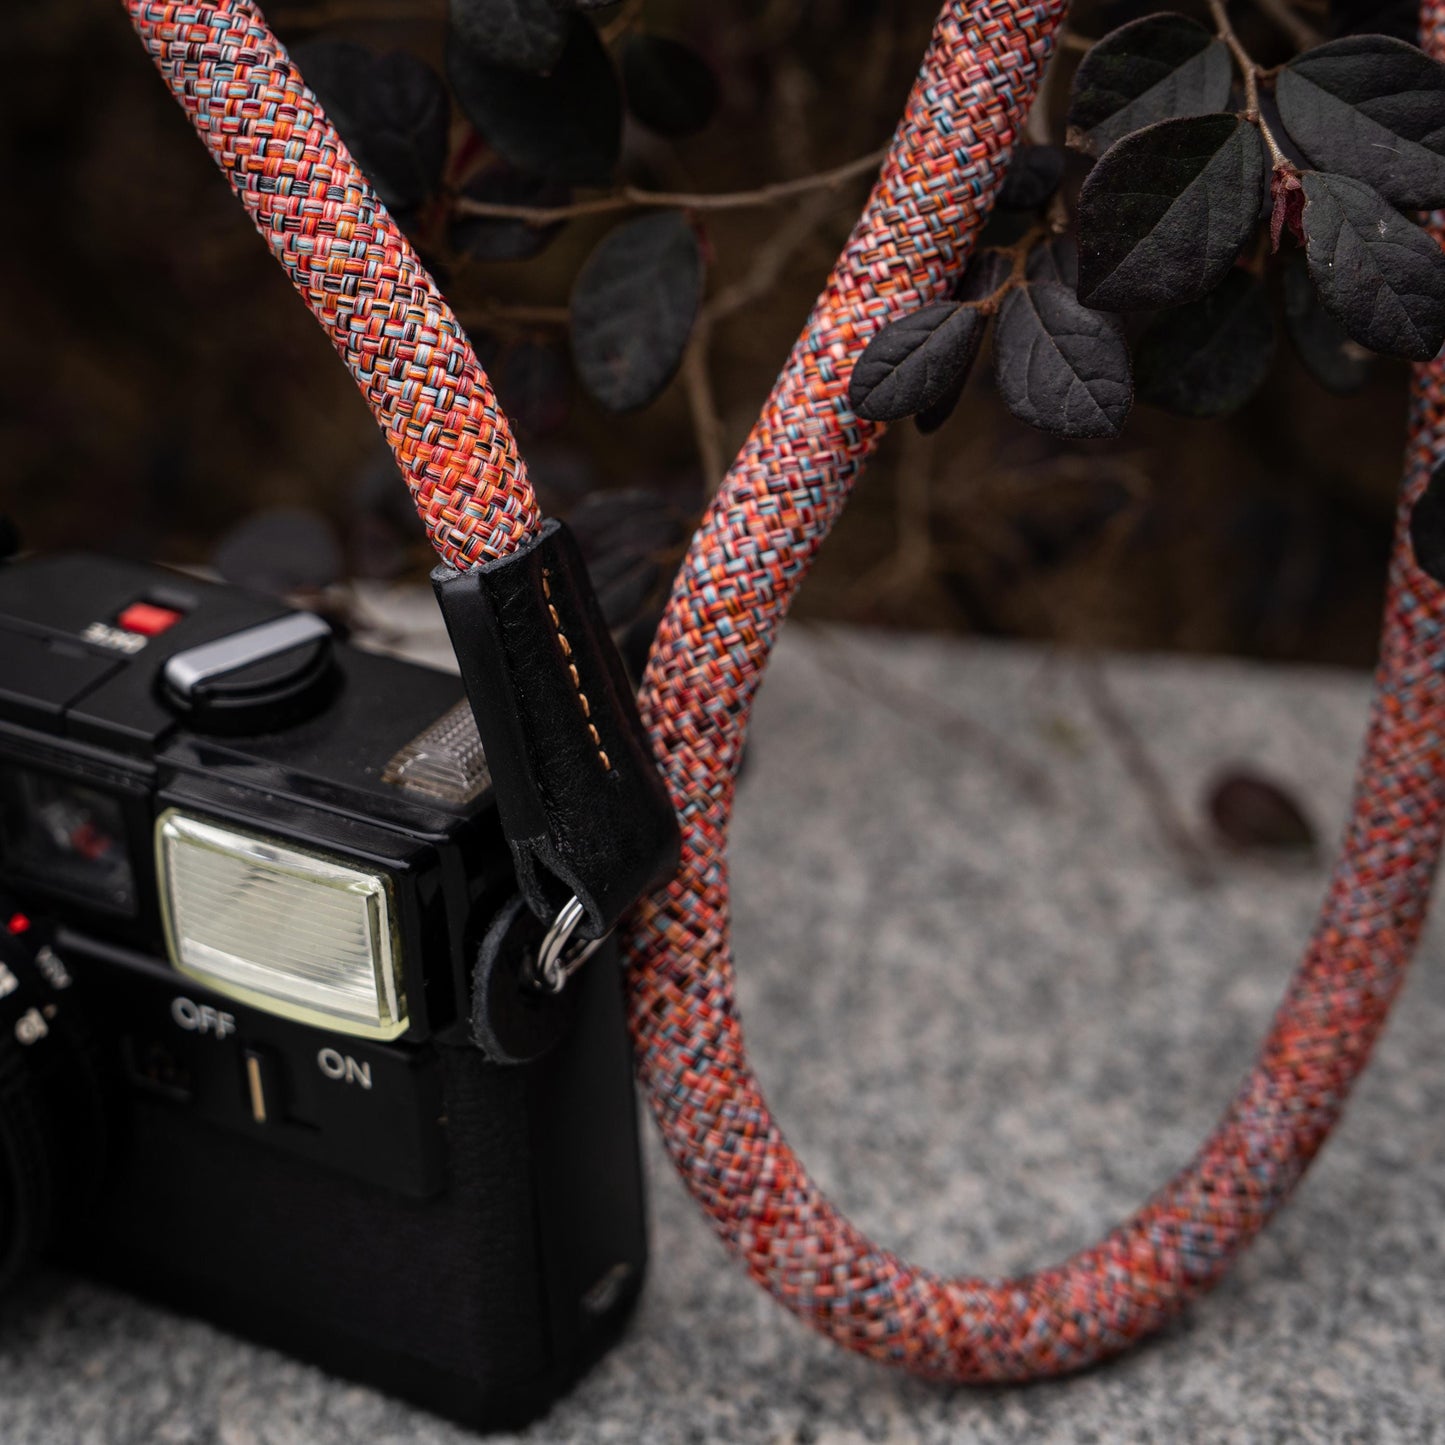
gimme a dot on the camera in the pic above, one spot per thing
(245, 869)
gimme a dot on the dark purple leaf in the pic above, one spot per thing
(1034, 173)
(1056, 259)
(1167, 210)
(1060, 366)
(1373, 108)
(522, 34)
(931, 418)
(1380, 276)
(1337, 363)
(986, 273)
(392, 111)
(1250, 811)
(405, 119)
(633, 307)
(1155, 68)
(565, 126)
(916, 361)
(670, 88)
(1209, 357)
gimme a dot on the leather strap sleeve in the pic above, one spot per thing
(582, 805)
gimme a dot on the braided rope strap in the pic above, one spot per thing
(353, 268)
(744, 565)
(403, 345)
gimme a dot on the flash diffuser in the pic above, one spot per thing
(292, 931)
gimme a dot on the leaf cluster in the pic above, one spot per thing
(1058, 364)
(1220, 196)
(544, 96)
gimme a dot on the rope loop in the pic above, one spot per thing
(419, 375)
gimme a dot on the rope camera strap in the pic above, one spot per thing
(422, 381)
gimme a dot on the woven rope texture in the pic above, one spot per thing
(354, 269)
(744, 565)
(753, 549)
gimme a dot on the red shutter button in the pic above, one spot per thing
(147, 618)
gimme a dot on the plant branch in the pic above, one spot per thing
(1251, 73)
(628, 197)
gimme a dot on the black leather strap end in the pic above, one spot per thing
(581, 801)
(514, 1022)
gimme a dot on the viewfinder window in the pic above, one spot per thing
(66, 837)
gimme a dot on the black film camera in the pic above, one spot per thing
(245, 870)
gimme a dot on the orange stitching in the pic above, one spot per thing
(572, 670)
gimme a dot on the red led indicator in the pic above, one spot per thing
(19, 923)
(147, 618)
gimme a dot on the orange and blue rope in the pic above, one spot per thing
(781, 497)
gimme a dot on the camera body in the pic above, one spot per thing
(247, 869)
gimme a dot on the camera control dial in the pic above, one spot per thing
(252, 681)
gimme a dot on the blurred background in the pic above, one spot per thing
(164, 395)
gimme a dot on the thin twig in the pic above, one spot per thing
(1299, 30)
(1250, 71)
(630, 196)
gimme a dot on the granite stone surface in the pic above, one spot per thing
(994, 1011)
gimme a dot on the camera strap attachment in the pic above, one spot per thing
(516, 1016)
(589, 822)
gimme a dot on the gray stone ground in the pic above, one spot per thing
(992, 1022)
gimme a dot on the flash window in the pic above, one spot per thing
(295, 932)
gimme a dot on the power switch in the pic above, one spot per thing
(265, 1090)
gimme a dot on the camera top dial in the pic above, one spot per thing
(53, 1127)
